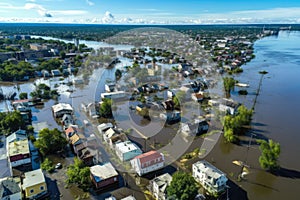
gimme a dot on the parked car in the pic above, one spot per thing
(58, 166)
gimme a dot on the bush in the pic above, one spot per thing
(47, 165)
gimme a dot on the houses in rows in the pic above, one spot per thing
(125, 150)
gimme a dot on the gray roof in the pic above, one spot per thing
(33, 178)
(163, 181)
(10, 186)
(103, 172)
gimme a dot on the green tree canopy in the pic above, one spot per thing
(228, 83)
(11, 122)
(105, 108)
(79, 174)
(270, 152)
(183, 186)
(47, 165)
(50, 141)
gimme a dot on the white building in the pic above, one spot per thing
(104, 127)
(210, 177)
(62, 108)
(147, 162)
(127, 150)
(159, 186)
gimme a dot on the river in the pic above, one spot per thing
(276, 116)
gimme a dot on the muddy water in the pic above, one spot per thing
(277, 114)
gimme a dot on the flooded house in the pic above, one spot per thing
(127, 150)
(158, 186)
(147, 162)
(195, 128)
(103, 176)
(210, 177)
(34, 185)
(103, 127)
(171, 117)
(62, 108)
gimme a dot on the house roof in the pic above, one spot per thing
(104, 126)
(127, 146)
(103, 172)
(62, 106)
(32, 178)
(71, 129)
(162, 181)
(10, 186)
(109, 133)
(208, 169)
(151, 157)
(18, 147)
(18, 135)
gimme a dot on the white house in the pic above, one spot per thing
(104, 127)
(210, 177)
(158, 186)
(147, 162)
(127, 150)
(62, 108)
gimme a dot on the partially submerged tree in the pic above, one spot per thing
(270, 152)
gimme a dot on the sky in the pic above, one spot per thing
(151, 12)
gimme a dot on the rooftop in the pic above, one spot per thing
(209, 169)
(62, 106)
(149, 156)
(163, 181)
(103, 172)
(10, 186)
(18, 147)
(32, 178)
(129, 198)
(127, 146)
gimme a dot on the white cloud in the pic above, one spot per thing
(108, 18)
(90, 3)
(40, 9)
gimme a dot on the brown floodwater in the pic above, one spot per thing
(276, 116)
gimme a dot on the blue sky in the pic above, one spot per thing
(150, 12)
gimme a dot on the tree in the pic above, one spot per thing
(233, 125)
(23, 95)
(270, 152)
(228, 83)
(105, 108)
(47, 165)
(179, 98)
(50, 141)
(11, 122)
(79, 174)
(183, 186)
